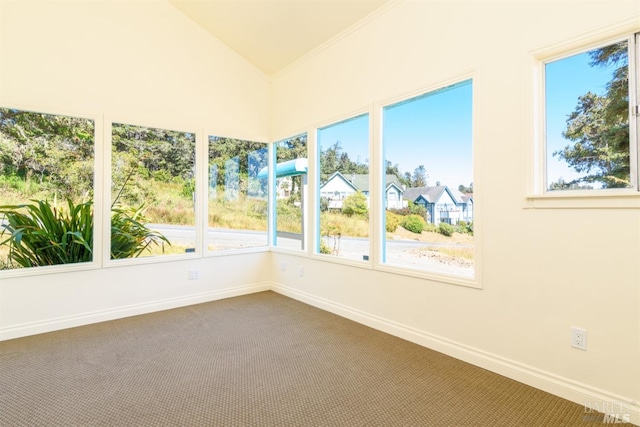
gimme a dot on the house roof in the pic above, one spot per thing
(432, 193)
(342, 177)
(361, 181)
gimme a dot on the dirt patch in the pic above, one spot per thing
(442, 258)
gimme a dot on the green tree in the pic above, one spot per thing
(141, 153)
(419, 178)
(55, 150)
(466, 190)
(599, 126)
(251, 157)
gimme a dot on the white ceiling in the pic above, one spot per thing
(272, 34)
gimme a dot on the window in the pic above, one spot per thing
(238, 203)
(290, 192)
(50, 159)
(153, 191)
(590, 139)
(344, 189)
(428, 182)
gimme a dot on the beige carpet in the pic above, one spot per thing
(256, 360)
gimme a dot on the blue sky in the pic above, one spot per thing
(433, 130)
(353, 135)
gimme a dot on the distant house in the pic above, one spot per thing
(339, 186)
(442, 203)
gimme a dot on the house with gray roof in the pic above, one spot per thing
(339, 186)
(442, 203)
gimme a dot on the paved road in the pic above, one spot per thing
(403, 253)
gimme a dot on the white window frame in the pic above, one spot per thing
(367, 261)
(107, 262)
(538, 196)
(98, 203)
(471, 282)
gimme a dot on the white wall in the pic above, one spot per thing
(140, 62)
(542, 270)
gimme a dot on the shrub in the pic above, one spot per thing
(417, 209)
(324, 204)
(355, 204)
(392, 221)
(129, 235)
(324, 247)
(430, 228)
(445, 229)
(413, 223)
(41, 234)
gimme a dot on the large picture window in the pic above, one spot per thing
(290, 192)
(589, 141)
(238, 190)
(153, 191)
(428, 182)
(46, 189)
(344, 189)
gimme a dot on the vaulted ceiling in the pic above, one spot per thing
(272, 34)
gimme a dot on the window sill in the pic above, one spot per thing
(587, 199)
(432, 276)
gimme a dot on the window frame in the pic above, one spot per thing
(273, 196)
(538, 195)
(199, 152)
(314, 249)
(474, 282)
(98, 201)
(204, 175)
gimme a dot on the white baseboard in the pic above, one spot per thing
(582, 394)
(65, 322)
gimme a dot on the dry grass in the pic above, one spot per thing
(457, 252)
(332, 223)
(242, 214)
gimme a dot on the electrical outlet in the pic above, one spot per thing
(194, 274)
(301, 271)
(283, 266)
(579, 338)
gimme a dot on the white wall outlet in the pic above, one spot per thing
(301, 271)
(579, 338)
(283, 266)
(194, 274)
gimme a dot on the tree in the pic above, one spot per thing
(334, 159)
(466, 190)
(419, 178)
(599, 126)
(251, 157)
(56, 150)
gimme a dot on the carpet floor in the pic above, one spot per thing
(256, 360)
